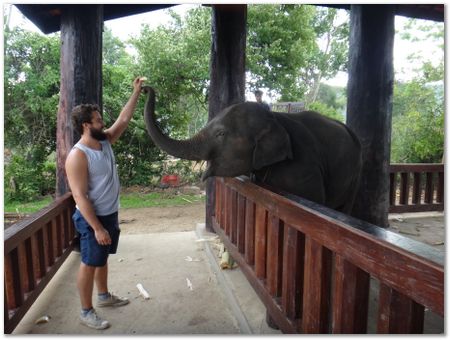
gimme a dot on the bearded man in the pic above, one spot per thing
(92, 176)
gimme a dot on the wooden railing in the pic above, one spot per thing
(416, 187)
(34, 249)
(289, 107)
(312, 266)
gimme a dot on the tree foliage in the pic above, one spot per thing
(31, 90)
(418, 108)
(284, 53)
(291, 49)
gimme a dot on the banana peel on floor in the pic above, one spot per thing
(226, 261)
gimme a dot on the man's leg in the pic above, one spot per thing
(105, 298)
(101, 279)
(85, 284)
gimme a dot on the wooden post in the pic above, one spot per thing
(369, 102)
(228, 30)
(81, 76)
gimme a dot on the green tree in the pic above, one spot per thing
(418, 123)
(31, 88)
(175, 59)
(134, 151)
(280, 40)
(418, 107)
(284, 52)
(326, 60)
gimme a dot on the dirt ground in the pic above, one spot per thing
(161, 219)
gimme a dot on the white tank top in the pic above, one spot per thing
(103, 185)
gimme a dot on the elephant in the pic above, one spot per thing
(305, 154)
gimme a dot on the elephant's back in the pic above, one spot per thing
(337, 148)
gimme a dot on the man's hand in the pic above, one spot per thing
(137, 83)
(102, 237)
(119, 126)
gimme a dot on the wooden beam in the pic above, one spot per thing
(227, 71)
(81, 75)
(369, 103)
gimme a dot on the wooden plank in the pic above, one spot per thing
(49, 243)
(260, 242)
(417, 189)
(416, 167)
(241, 203)
(226, 216)
(65, 224)
(233, 217)
(416, 208)
(429, 190)
(440, 188)
(397, 314)
(250, 232)
(12, 280)
(404, 187)
(392, 188)
(24, 265)
(317, 289)
(56, 236)
(38, 269)
(218, 201)
(275, 233)
(292, 278)
(30, 264)
(350, 298)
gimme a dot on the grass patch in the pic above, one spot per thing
(157, 199)
(127, 200)
(27, 207)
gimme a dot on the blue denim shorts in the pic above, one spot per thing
(92, 253)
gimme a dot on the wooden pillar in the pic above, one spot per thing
(227, 69)
(81, 75)
(369, 104)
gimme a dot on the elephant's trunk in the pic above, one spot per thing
(194, 148)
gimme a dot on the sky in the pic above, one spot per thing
(124, 28)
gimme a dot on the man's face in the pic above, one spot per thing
(96, 127)
(258, 97)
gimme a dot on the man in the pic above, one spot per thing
(92, 175)
(258, 96)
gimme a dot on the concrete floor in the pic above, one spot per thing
(220, 302)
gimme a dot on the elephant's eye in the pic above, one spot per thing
(220, 134)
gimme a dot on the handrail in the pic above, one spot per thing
(34, 249)
(311, 266)
(416, 187)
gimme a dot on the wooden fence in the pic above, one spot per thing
(289, 107)
(34, 249)
(312, 266)
(416, 187)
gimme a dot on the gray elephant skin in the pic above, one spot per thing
(306, 153)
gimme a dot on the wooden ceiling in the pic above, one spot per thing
(47, 17)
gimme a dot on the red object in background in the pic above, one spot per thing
(171, 180)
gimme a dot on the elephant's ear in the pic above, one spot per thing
(272, 145)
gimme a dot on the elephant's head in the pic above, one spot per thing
(241, 138)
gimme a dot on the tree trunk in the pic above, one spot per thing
(228, 30)
(81, 76)
(370, 89)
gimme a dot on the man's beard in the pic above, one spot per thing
(98, 134)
